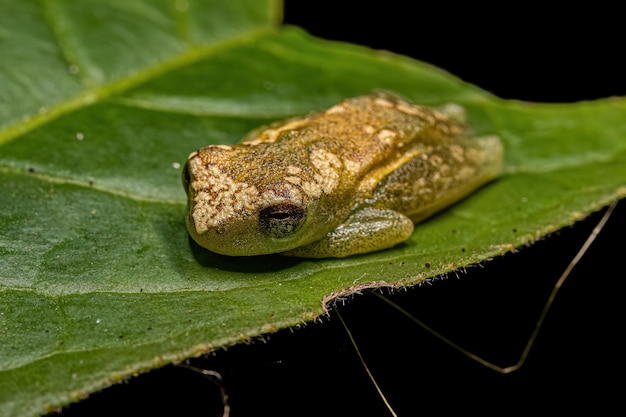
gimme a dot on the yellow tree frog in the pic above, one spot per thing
(348, 180)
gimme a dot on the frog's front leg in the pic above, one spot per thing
(366, 230)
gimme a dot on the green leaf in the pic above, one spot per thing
(98, 278)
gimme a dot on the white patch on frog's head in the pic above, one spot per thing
(457, 152)
(217, 197)
(407, 108)
(293, 170)
(383, 102)
(352, 167)
(294, 180)
(338, 108)
(386, 136)
(326, 179)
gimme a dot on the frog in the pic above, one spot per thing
(348, 180)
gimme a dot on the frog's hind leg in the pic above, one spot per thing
(366, 230)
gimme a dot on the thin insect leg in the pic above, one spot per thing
(215, 378)
(531, 340)
(533, 336)
(367, 369)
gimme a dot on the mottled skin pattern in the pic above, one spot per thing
(349, 180)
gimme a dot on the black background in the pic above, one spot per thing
(514, 51)
(524, 53)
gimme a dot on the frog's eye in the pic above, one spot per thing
(186, 178)
(281, 220)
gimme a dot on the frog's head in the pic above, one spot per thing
(237, 208)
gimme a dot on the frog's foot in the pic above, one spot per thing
(366, 230)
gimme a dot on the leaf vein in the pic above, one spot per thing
(105, 91)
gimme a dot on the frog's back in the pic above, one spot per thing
(371, 135)
(440, 174)
(437, 161)
(387, 151)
